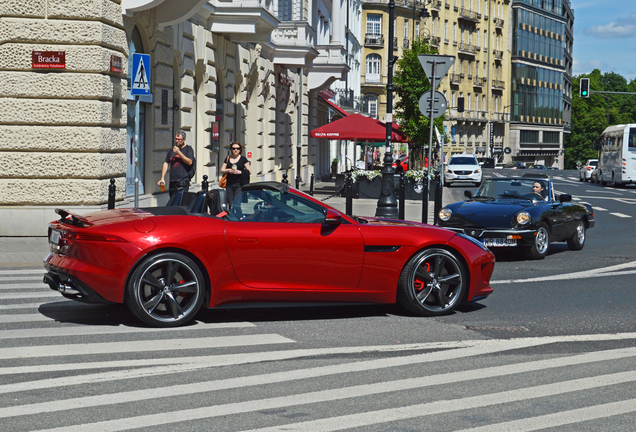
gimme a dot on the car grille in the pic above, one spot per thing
(463, 172)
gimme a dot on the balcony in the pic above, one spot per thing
(436, 4)
(293, 44)
(479, 82)
(329, 66)
(468, 15)
(499, 23)
(466, 48)
(373, 40)
(455, 79)
(405, 44)
(498, 85)
(242, 20)
(498, 54)
(435, 41)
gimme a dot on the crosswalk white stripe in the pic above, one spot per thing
(186, 364)
(560, 418)
(603, 271)
(140, 346)
(22, 272)
(363, 390)
(34, 285)
(432, 408)
(22, 318)
(21, 306)
(620, 215)
(6, 280)
(353, 420)
(77, 330)
(35, 294)
(599, 208)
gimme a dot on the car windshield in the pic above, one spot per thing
(463, 161)
(514, 189)
(593, 163)
(274, 206)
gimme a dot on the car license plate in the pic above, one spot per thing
(54, 237)
(462, 177)
(497, 242)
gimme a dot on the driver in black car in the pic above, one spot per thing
(538, 188)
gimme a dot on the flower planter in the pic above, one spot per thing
(369, 188)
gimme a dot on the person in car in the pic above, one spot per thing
(538, 188)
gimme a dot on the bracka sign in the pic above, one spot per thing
(48, 59)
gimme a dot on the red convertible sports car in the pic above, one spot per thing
(276, 244)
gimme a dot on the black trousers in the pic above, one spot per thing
(232, 190)
(174, 185)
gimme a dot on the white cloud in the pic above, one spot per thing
(584, 67)
(621, 28)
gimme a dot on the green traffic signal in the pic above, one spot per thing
(585, 87)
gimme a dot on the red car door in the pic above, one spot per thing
(289, 255)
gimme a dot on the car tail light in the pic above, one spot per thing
(99, 238)
(589, 168)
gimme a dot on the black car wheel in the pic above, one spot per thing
(577, 241)
(541, 243)
(432, 283)
(166, 290)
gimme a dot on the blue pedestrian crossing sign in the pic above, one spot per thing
(140, 74)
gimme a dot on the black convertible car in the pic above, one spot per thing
(520, 212)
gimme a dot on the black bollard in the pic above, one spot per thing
(425, 199)
(402, 202)
(204, 184)
(348, 194)
(311, 185)
(298, 182)
(111, 194)
(285, 179)
(438, 198)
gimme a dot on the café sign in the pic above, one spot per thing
(48, 59)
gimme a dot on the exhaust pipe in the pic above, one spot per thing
(62, 287)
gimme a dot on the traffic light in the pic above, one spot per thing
(460, 104)
(585, 88)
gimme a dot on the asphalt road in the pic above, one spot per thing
(552, 349)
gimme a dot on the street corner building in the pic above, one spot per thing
(252, 72)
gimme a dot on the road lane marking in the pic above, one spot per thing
(40, 271)
(22, 318)
(21, 306)
(598, 208)
(300, 374)
(621, 215)
(604, 271)
(58, 350)
(560, 418)
(35, 294)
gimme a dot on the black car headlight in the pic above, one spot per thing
(445, 214)
(523, 218)
(474, 240)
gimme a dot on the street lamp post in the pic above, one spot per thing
(387, 204)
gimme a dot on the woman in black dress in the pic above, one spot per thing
(237, 168)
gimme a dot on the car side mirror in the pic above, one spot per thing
(468, 194)
(332, 217)
(565, 198)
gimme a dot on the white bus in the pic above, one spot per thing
(617, 155)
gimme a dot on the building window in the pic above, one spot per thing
(374, 64)
(551, 137)
(372, 100)
(374, 24)
(529, 137)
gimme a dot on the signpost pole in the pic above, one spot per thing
(136, 151)
(430, 149)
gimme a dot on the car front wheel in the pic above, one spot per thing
(166, 290)
(432, 282)
(540, 244)
(577, 241)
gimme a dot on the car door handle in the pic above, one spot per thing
(247, 240)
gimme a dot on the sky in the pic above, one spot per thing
(605, 37)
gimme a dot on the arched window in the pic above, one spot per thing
(374, 63)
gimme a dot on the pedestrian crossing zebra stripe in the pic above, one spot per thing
(305, 374)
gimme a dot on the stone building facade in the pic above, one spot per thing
(221, 71)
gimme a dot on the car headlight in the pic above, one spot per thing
(523, 218)
(448, 170)
(477, 171)
(445, 214)
(474, 240)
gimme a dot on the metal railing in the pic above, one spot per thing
(374, 39)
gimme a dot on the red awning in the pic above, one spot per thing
(335, 107)
(357, 127)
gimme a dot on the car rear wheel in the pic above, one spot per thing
(432, 283)
(166, 290)
(577, 241)
(541, 244)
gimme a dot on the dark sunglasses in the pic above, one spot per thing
(236, 148)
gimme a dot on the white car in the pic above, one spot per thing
(585, 173)
(463, 168)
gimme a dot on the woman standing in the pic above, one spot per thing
(237, 168)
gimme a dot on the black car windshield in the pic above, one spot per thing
(463, 161)
(535, 190)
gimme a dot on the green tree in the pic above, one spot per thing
(409, 83)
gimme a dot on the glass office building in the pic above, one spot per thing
(541, 80)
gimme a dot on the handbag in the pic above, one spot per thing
(223, 181)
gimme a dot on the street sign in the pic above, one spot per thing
(507, 150)
(442, 64)
(439, 104)
(141, 74)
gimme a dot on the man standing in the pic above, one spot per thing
(180, 160)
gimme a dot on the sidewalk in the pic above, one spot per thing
(29, 252)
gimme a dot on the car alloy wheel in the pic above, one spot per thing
(432, 282)
(166, 290)
(577, 241)
(541, 243)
